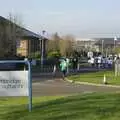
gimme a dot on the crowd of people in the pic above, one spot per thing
(102, 62)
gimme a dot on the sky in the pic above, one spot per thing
(81, 18)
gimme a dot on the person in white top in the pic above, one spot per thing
(92, 61)
(99, 61)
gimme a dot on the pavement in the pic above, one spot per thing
(55, 87)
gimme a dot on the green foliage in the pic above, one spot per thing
(35, 55)
(53, 54)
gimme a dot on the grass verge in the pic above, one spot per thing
(96, 77)
(92, 106)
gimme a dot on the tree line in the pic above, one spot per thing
(60, 46)
(9, 34)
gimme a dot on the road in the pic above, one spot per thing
(50, 86)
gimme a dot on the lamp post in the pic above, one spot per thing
(42, 48)
(102, 46)
(115, 39)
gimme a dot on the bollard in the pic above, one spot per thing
(104, 79)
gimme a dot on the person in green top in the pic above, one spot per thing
(63, 67)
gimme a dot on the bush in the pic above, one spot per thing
(35, 55)
(53, 54)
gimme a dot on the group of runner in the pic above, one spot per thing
(101, 62)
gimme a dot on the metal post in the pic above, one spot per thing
(115, 38)
(30, 86)
(102, 46)
(114, 44)
(42, 51)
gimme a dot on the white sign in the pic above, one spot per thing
(13, 83)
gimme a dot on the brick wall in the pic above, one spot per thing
(22, 49)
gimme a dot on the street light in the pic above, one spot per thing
(115, 39)
(102, 46)
(42, 47)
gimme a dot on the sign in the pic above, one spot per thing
(13, 83)
(16, 83)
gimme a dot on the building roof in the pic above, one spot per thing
(28, 33)
(107, 41)
(25, 32)
(85, 39)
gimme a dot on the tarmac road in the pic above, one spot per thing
(49, 86)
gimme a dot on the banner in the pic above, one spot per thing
(13, 83)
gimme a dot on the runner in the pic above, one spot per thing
(63, 68)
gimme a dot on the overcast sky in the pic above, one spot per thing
(82, 18)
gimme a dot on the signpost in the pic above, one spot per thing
(16, 83)
(115, 39)
(102, 47)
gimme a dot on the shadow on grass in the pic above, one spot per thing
(82, 107)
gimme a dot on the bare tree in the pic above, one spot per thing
(116, 50)
(9, 32)
(66, 45)
(53, 44)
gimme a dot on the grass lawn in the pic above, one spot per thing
(92, 106)
(96, 77)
